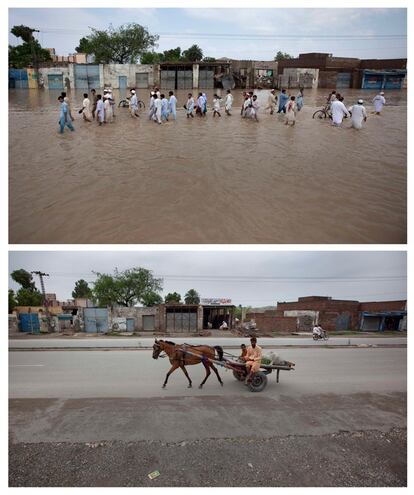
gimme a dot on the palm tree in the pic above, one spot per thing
(192, 297)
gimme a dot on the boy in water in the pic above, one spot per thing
(100, 110)
(190, 106)
(216, 106)
(64, 119)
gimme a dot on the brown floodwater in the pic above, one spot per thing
(212, 180)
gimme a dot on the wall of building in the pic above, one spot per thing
(63, 71)
(383, 306)
(137, 314)
(111, 73)
(296, 78)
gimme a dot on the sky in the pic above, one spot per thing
(234, 33)
(249, 278)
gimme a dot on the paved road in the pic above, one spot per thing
(147, 342)
(102, 417)
(108, 382)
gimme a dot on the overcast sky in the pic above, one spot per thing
(317, 30)
(252, 278)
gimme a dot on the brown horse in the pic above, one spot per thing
(182, 355)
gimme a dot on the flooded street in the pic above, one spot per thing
(213, 180)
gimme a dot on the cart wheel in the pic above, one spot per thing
(238, 376)
(258, 382)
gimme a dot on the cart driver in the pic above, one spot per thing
(253, 359)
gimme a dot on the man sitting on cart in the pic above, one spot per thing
(253, 359)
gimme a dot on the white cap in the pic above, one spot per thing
(133, 91)
(360, 101)
(382, 92)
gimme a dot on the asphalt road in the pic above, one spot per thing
(99, 406)
(147, 342)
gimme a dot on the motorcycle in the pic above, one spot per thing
(324, 336)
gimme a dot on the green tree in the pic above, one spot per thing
(23, 278)
(192, 297)
(151, 58)
(27, 297)
(29, 53)
(172, 297)
(12, 300)
(82, 290)
(172, 55)
(28, 294)
(193, 54)
(125, 288)
(123, 45)
(282, 56)
(152, 299)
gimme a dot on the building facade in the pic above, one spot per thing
(332, 315)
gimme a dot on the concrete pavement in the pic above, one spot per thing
(147, 342)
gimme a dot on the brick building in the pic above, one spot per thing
(343, 72)
(332, 314)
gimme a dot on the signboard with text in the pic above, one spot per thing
(213, 301)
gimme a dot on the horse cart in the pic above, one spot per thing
(182, 355)
(258, 381)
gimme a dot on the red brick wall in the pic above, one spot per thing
(382, 306)
(375, 64)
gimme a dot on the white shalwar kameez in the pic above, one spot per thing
(108, 110)
(358, 115)
(133, 105)
(379, 102)
(338, 110)
(229, 102)
(290, 112)
(157, 110)
(87, 114)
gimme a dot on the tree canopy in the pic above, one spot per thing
(126, 288)
(28, 294)
(193, 54)
(282, 56)
(172, 297)
(29, 53)
(192, 297)
(122, 45)
(152, 299)
(82, 290)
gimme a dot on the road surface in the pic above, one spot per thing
(344, 407)
(147, 342)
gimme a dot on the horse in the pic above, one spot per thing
(179, 358)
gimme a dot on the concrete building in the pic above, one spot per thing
(341, 72)
(332, 315)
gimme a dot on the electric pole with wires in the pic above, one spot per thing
(45, 303)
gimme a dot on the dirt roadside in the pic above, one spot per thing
(344, 459)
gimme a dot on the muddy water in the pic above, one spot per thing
(221, 180)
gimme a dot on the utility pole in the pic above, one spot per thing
(42, 285)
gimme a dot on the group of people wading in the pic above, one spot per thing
(161, 109)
